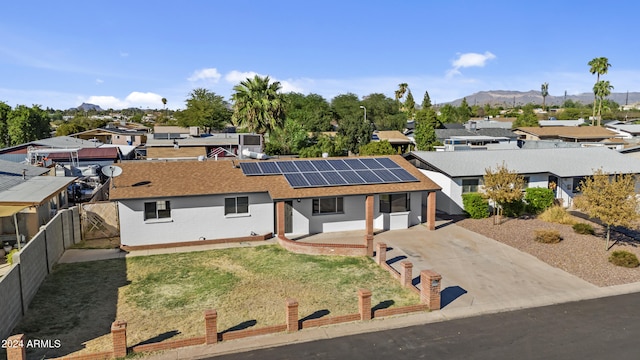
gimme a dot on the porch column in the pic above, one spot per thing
(369, 224)
(431, 210)
(280, 218)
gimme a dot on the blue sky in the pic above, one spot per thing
(119, 54)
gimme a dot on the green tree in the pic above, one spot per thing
(351, 126)
(288, 140)
(602, 89)
(425, 134)
(526, 118)
(71, 127)
(384, 112)
(258, 105)
(26, 124)
(463, 111)
(204, 109)
(598, 66)
(5, 110)
(312, 111)
(502, 187)
(324, 144)
(544, 91)
(612, 199)
(410, 105)
(426, 100)
(377, 148)
(448, 114)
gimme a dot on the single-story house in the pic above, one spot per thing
(114, 135)
(212, 145)
(565, 133)
(629, 131)
(548, 123)
(180, 201)
(460, 172)
(398, 140)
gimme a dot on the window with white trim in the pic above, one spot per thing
(236, 205)
(157, 210)
(330, 205)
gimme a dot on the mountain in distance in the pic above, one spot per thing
(89, 107)
(507, 98)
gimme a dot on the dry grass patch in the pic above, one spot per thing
(166, 295)
(558, 214)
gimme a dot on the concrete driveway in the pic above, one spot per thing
(478, 272)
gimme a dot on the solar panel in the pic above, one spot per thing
(269, 168)
(355, 164)
(305, 165)
(315, 179)
(296, 180)
(372, 164)
(287, 166)
(369, 177)
(351, 177)
(333, 178)
(322, 165)
(403, 175)
(250, 168)
(338, 164)
(387, 176)
(388, 163)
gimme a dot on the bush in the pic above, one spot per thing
(557, 214)
(538, 199)
(584, 229)
(624, 258)
(547, 236)
(513, 209)
(475, 205)
(9, 256)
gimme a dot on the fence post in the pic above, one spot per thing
(381, 253)
(430, 283)
(406, 273)
(119, 338)
(211, 326)
(16, 349)
(364, 304)
(292, 315)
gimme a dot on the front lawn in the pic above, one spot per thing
(164, 296)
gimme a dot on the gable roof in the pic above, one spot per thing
(151, 179)
(572, 132)
(393, 137)
(563, 162)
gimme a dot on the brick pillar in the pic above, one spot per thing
(280, 218)
(381, 253)
(119, 337)
(406, 273)
(364, 304)
(431, 210)
(292, 315)
(16, 349)
(430, 283)
(211, 326)
(369, 224)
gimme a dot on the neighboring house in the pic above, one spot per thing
(565, 133)
(547, 123)
(478, 137)
(487, 124)
(18, 153)
(173, 202)
(190, 144)
(28, 199)
(625, 131)
(113, 135)
(460, 172)
(398, 140)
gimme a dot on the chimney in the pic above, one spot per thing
(24, 174)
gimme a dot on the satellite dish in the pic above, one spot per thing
(112, 171)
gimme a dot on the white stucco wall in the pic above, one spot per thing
(449, 200)
(193, 218)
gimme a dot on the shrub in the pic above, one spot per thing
(9, 256)
(538, 199)
(624, 258)
(475, 205)
(582, 228)
(557, 214)
(513, 209)
(547, 236)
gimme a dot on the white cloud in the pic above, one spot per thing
(124, 54)
(208, 75)
(290, 85)
(469, 60)
(236, 76)
(135, 99)
(99, 81)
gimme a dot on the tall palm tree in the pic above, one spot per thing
(164, 105)
(599, 66)
(544, 90)
(602, 89)
(402, 89)
(257, 105)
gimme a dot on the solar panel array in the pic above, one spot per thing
(332, 172)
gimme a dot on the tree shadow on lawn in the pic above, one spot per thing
(76, 303)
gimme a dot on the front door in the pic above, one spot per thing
(288, 216)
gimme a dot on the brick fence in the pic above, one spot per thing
(430, 300)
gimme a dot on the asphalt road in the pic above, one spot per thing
(606, 328)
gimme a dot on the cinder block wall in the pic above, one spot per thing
(10, 300)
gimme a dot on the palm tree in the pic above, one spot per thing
(544, 90)
(602, 89)
(402, 89)
(164, 105)
(599, 66)
(257, 105)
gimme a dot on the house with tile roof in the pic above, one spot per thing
(460, 172)
(172, 202)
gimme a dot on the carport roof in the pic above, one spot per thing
(35, 191)
(563, 162)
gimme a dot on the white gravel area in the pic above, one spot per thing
(581, 255)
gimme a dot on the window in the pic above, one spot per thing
(525, 183)
(332, 205)
(576, 184)
(470, 185)
(157, 210)
(390, 203)
(236, 205)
